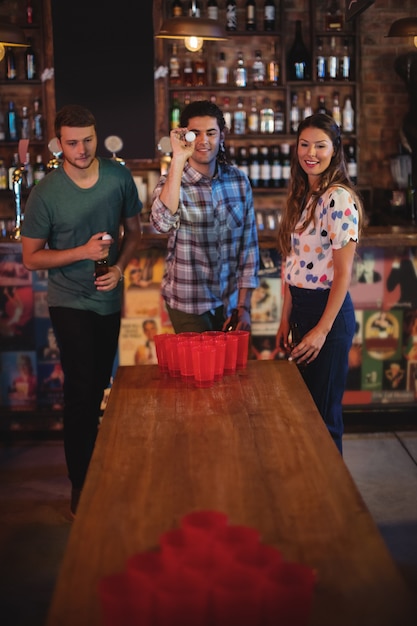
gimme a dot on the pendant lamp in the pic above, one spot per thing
(404, 27)
(11, 36)
(194, 30)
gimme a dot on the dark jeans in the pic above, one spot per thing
(88, 345)
(326, 376)
(189, 322)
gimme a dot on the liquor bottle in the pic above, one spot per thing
(299, 58)
(336, 113)
(258, 70)
(322, 106)
(232, 155)
(176, 8)
(243, 162)
(2, 124)
(294, 114)
(30, 62)
(239, 118)
(233, 322)
(37, 121)
(240, 74)
(265, 173)
(28, 169)
(286, 164)
(348, 117)
(411, 201)
(212, 10)
(24, 124)
(231, 15)
(188, 79)
(174, 67)
(3, 175)
(352, 165)
(102, 265)
(174, 112)
(200, 69)
(332, 62)
(253, 117)
(333, 19)
(254, 166)
(345, 72)
(279, 117)
(39, 170)
(250, 15)
(194, 8)
(12, 128)
(272, 69)
(308, 109)
(276, 168)
(321, 61)
(10, 59)
(269, 15)
(266, 118)
(29, 12)
(222, 71)
(227, 114)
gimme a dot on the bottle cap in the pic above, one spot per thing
(106, 236)
(190, 136)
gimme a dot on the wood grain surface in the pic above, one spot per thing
(253, 446)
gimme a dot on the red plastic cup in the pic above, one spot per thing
(185, 356)
(182, 599)
(236, 596)
(116, 600)
(287, 595)
(203, 362)
(220, 345)
(200, 529)
(171, 347)
(232, 540)
(230, 360)
(161, 354)
(173, 548)
(143, 571)
(242, 347)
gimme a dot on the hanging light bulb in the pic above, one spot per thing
(193, 30)
(193, 44)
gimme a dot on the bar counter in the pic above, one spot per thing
(252, 446)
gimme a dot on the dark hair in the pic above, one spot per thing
(299, 194)
(205, 108)
(75, 116)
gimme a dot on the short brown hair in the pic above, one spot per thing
(75, 116)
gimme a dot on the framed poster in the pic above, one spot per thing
(356, 7)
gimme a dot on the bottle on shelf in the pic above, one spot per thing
(285, 164)
(239, 118)
(411, 201)
(30, 62)
(250, 15)
(254, 166)
(279, 117)
(194, 8)
(258, 70)
(321, 62)
(299, 58)
(227, 113)
(332, 62)
(266, 118)
(231, 15)
(13, 164)
(188, 79)
(10, 61)
(352, 165)
(222, 71)
(240, 74)
(253, 117)
(232, 155)
(37, 121)
(28, 169)
(174, 67)
(265, 172)
(336, 113)
(2, 124)
(174, 112)
(348, 117)
(345, 69)
(12, 127)
(272, 69)
(333, 19)
(176, 8)
(200, 69)
(212, 10)
(29, 12)
(294, 113)
(25, 124)
(39, 170)
(276, 168)
(308, 109)
(3, 174)
(322, 106)
(269, 15)
(242, 162)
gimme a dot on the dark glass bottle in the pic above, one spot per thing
(231, 15)
(176, 8)
(11, 72)
(411, 201)
(269, 15)
(299, 58)
(212, 10)
(30, 62)
(175, 112)
(250, 19)
(352, 165)
(102, 265)
(233, 322)
(12, 128)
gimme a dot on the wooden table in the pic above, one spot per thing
(253, 446)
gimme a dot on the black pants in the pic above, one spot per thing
(190, 322)
(88, 345)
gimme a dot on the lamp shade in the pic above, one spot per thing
(405, 27)
(11, 36)
(182, 27)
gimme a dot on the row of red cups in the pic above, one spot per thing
(208, 573)
(202, 358)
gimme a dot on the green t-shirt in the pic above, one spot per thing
(67, 216)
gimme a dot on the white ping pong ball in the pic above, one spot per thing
(190, 136)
